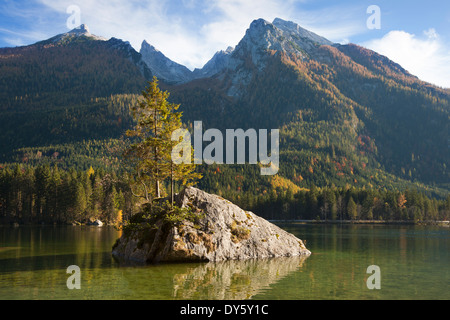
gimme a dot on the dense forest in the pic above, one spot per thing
(348, 204)
(50, 195)
(44, 194)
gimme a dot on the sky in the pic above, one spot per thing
(415, 34)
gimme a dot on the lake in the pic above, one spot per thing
(413, 263)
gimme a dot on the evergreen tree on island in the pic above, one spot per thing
(150, 156)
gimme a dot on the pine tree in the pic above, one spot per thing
(42, 178)
(351, 209)
(151, 155)
(80, 201)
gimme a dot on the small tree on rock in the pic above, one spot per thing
(151, 154)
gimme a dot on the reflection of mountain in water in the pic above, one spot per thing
(233, 280)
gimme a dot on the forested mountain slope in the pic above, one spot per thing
(347, 114)
(62, 90)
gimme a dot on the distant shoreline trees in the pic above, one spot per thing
(44, 194)
(333, 203)
(48, 195)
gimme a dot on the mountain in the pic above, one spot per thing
(58, 90)
(81, 32)
(260, 39)
(261, 36)
(76, 63)
(217, 63)
(174, 73)
(348, 116)
(162, 67)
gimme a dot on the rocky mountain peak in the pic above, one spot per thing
(162, 67)
(294, 30)
(260, 33)
(81, 31)
(148, 47)
(217, 63)
(229, 50)
(281, 35)
(260, 38)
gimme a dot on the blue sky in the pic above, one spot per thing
(414, 33)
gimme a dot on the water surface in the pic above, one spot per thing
(414, 263)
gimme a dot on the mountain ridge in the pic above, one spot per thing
(285, 28)
(163, 67)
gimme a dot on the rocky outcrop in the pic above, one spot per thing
(77, 33)
(218, 63)
(162, 67)
(224, 232)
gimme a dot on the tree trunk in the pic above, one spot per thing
(158, 190)
(157, 187)
(171, 184)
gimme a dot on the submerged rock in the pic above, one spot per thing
(224, 232)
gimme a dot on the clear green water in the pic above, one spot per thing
(414, 263)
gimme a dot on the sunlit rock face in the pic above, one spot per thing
(162, 67)
(224, 232)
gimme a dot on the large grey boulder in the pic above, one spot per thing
(224, 232)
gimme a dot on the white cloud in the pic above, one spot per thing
(21, 38)
(234, 17)
(337, 23)
(431, 33)
(426, 57)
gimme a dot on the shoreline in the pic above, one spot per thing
(367, 222)
(295, 221)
